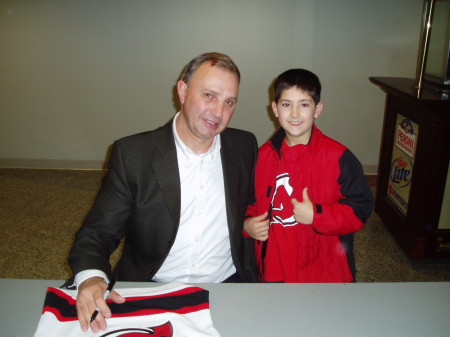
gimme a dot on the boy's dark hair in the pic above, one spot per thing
(300, 78)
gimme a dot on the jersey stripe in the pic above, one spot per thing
(183, 301)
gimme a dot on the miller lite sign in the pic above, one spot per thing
(402, 162)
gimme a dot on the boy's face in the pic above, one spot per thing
(296, 112)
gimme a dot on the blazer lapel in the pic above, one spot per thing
(231, 180)
(167, 173)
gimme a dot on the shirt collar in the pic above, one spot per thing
(215, 146)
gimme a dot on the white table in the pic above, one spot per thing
(275, 310)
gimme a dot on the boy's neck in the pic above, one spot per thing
(304, 140)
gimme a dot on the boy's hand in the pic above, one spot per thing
(257, 227)
(303, 211)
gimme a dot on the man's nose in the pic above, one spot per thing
(217, 110)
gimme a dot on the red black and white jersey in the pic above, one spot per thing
(166, 311)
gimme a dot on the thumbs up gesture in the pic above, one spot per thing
(304, 210)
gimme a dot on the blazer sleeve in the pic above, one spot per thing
(105, 224)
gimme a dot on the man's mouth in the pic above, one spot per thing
(211, 123)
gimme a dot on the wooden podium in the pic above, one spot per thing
(413, 170)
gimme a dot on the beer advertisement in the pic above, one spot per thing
(402, 162)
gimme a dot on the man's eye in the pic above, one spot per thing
(207, 95)
(230, 102)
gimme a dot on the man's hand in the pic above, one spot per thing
(90, 296)
(258, 227)
(303, 211)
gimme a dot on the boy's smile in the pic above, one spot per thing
(296, 111)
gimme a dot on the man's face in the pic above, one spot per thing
(207, 104)
(296, 112)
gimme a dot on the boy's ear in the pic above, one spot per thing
(274, 108)
(319, 109)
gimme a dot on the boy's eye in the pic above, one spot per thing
(285, 105)
(305, 105)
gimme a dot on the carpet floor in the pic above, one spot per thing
(40, 211)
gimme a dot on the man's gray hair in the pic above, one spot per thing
(217, 60)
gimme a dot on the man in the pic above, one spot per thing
(178, 195)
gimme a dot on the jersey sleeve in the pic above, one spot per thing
(355, 205)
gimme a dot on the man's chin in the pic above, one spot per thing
(209, 133)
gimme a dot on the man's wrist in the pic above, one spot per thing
(88, 274)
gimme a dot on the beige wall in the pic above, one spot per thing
(76, 75)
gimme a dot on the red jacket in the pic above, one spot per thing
(322, 251)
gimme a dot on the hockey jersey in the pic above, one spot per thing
(169, 310)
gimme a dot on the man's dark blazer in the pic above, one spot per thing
(140, 200)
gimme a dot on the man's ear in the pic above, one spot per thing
(275, 108)
(318, 111)
(181, 89)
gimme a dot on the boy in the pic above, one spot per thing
(310, 193)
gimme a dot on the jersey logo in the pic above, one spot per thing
(282, 210)
(164, 330)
